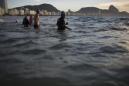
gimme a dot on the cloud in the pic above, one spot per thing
(36, 1)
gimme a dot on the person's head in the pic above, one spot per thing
(25, 16)
(37, 12)
(63, 14)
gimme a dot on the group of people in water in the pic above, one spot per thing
(61, 24)
(36, 19)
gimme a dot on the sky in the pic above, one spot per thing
(74, 5)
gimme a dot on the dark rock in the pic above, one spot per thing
(113, 9)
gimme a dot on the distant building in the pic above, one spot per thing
(14, 12)
(27, 11)
(32, 12)
(0, 11)
(69, 13)
(49, 13)
(21, 12)
(4, 5)
(45, 12)
(58, 13)
(53, 13)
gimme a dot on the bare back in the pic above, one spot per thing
(36, 19)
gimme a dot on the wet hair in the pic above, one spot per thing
(37, 11)
(62, 14)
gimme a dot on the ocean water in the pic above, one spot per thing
(94, 53)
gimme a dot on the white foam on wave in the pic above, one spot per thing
(1, 20)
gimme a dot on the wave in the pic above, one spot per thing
(8, 41)
(119, 29)
(60, 46)
(47, 81)
(1, 20)
(10, 60)
(34, 51)
(80, 67)
(113, 49)
(27, 43)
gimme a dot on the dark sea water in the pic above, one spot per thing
(94, 53)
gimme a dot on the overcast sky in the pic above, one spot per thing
(74, 5)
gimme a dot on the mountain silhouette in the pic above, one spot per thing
(91, 11)
(112, 11)
(48, 7)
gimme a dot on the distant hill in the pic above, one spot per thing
(112, 11)
(89, 10)
(48, 7)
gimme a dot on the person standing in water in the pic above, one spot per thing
(30, 20)
(61, 22)
(25, 22)
(36, 21)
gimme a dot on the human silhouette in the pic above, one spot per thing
(61, 24)
(36, 21)
(25, 22)
(30, 19)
